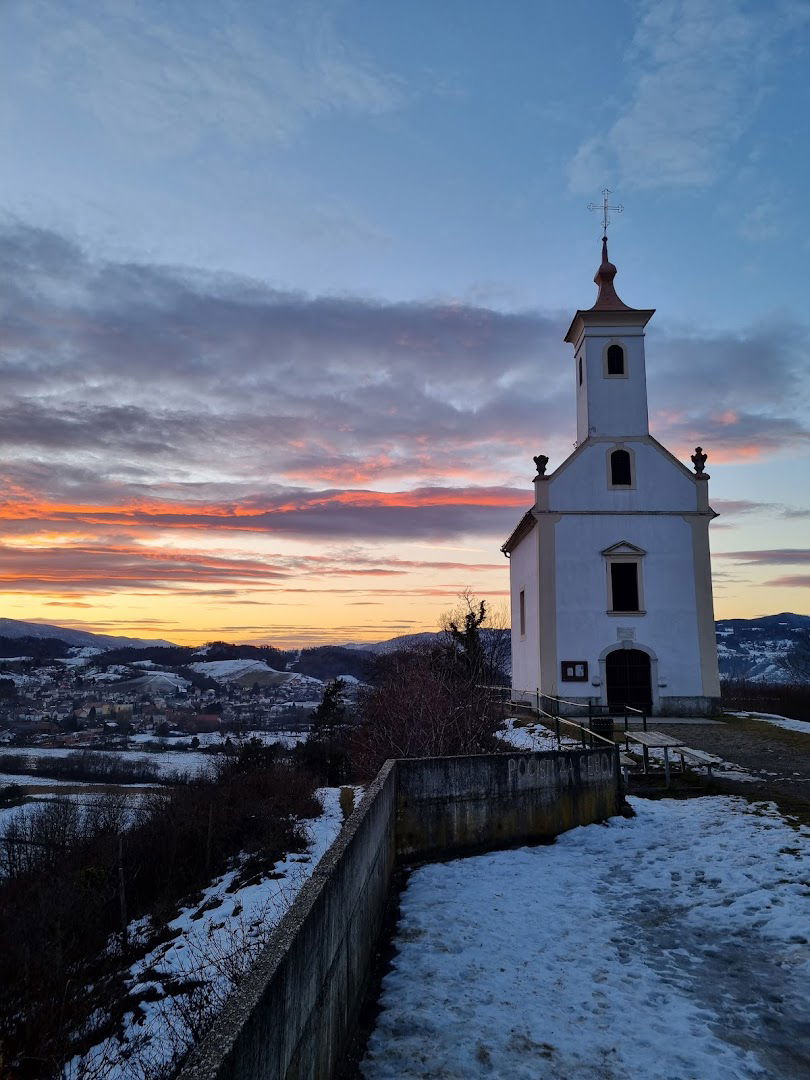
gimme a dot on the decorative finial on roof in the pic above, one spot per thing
(607, 299)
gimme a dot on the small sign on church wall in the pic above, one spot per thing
(574, 670)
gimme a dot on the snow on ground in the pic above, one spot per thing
(286, 739)
(722, 769)
(134, 800)
(672, 946)
(18, 679)
(208, 941)
(206, 738)
(158, 682)
(537, 737)
(231, 669)
(26, 780)
(532, 736)
(778, 721)
(80, 656)
(187, 762)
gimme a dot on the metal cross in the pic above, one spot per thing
(605, 209)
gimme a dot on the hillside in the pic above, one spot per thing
(772, 648)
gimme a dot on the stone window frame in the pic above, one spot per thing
(605, 373)
(636, 556)
(609, 469)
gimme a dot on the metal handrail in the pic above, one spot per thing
(588, 731)
(565, 701)
(537, 695)
(577, 704)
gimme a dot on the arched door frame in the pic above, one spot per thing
(656, 697)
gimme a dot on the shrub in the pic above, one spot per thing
(424, 702)
(781, 699)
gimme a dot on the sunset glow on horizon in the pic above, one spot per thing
(284, 293)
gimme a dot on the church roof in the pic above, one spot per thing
(523, 528)
(609, 307)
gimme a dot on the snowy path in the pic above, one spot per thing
(669, 946)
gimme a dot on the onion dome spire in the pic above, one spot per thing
(607, 299)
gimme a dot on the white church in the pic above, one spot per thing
(610, 572)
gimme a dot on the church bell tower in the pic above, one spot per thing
(608, 342)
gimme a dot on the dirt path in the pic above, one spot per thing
(779, 759)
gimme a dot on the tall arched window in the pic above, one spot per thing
(621, 474)
(615, 360)
(580, 371)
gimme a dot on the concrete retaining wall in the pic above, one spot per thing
(292, 1016)
(448, 806)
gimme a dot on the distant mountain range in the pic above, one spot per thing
(772, 648)
(15, 628)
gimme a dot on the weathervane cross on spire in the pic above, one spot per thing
(605, 208)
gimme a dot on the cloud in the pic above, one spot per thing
(791, 581)
(421, 512)
(151, 374)
(770, 556)
(736, 507)
(164, 79)
(750, 385)
(691, 65)
(76, 568)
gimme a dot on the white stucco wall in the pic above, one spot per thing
(611, 405)
(581, 483)
(669, 627)
(524, 574)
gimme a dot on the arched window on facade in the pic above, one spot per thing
(580, 371)
(621, 471)
(615, 360)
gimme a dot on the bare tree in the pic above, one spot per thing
(435, 700)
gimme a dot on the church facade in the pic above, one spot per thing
(610, 572)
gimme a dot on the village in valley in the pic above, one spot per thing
(83, 701)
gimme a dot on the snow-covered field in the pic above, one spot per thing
(673, 946)
(175, 760)
(224, 670)
(215, 940)
(134, 798)
(185, 762)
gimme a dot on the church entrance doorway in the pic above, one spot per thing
(628, 679)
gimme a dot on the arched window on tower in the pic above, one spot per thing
(615, 360)
(580, 371)
(621, 472)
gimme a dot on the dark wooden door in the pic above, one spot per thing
(628, 679)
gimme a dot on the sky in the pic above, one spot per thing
(283, 289)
